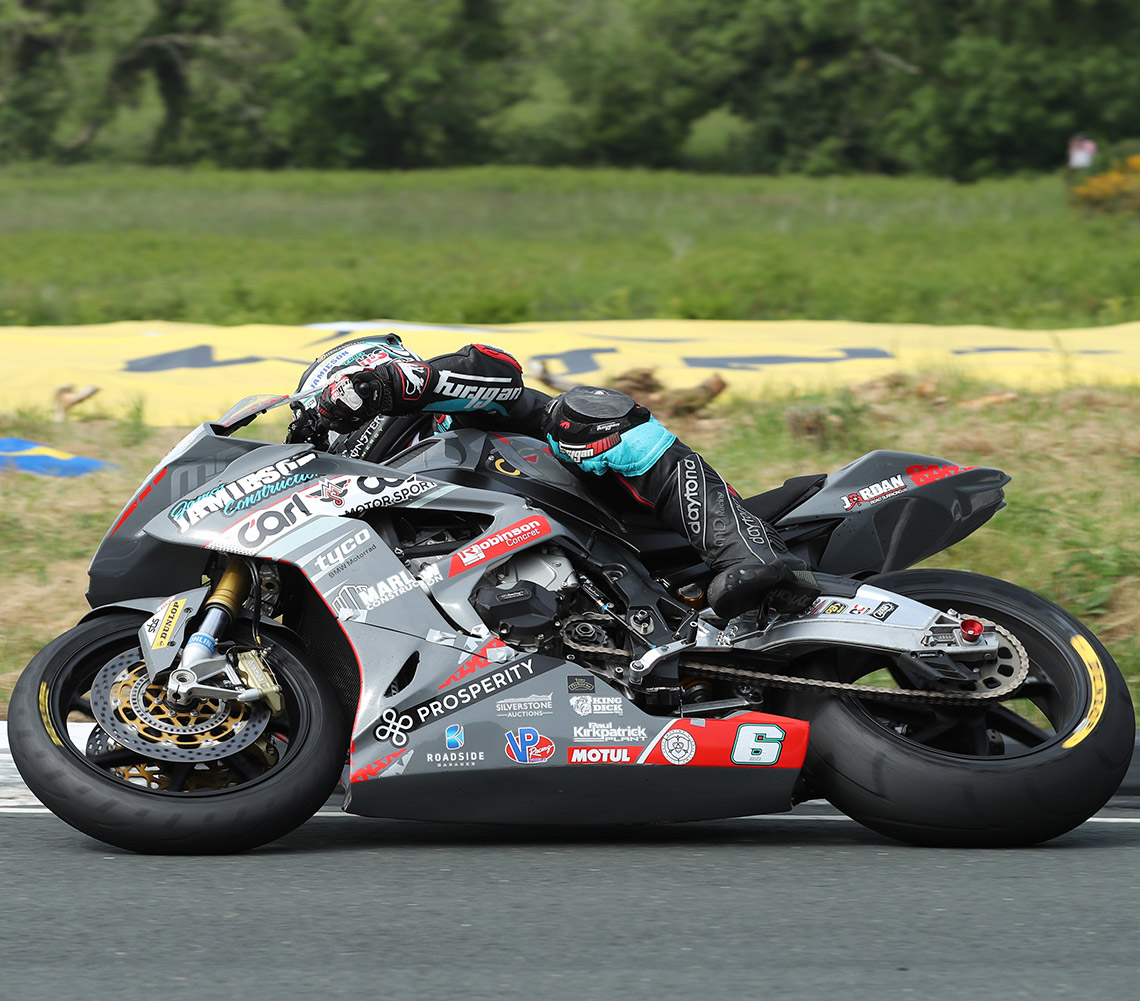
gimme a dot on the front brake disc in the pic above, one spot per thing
(131, 709)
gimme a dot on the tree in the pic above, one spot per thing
(387, 83)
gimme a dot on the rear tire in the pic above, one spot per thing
(1016, 773)
(152, 806)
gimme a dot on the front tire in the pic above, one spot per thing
(1016, 772)
(145, 804)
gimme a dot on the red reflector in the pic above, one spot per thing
(972, 630)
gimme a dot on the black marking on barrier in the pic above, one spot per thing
(578, 360)
(751, 362)
(201, 356)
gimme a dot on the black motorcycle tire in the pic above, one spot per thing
(927, 796)
(118, 813)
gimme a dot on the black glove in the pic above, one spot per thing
(307, 426)
(353, 397)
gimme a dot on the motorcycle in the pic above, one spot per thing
(485, 640)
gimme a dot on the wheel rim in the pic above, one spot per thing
(185, 767)
(1043, 711)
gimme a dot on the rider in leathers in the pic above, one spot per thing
(603, 431)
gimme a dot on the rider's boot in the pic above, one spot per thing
(606, 431)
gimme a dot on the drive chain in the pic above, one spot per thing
(1002, 690)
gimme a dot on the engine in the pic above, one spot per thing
(527, 601)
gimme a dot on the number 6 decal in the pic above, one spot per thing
(757, 744)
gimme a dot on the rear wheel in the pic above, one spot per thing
(1012, 772)
(220, 776)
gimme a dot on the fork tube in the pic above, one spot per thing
(221, 609)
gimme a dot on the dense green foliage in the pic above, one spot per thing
(495, 245)
(960, 88)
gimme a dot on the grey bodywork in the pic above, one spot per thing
(398, 615)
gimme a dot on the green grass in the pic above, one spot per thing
(491, 245)
(1070, 530)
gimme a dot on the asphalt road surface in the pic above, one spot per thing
(806, 906)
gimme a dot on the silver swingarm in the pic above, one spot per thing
(929, 645)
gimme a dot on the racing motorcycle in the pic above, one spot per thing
(483, 639)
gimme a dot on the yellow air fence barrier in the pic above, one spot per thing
(185, 373)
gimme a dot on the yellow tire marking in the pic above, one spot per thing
(1099, 690)
(45, 714)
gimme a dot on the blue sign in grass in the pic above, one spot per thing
(23, 456)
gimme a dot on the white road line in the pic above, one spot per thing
(16, 811)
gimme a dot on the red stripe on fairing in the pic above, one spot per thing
(629, 486)
(351, 646)
(491, 352)
(135, 503)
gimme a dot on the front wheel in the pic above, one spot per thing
(216, 777)
(1012, 772)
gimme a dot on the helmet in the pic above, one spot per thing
(363, 352)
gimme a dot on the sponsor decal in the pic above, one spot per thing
(607, 733)
(374, 769)
(386, 492)
(413, 378)
(45, 714)
(889, 487)
(479, 392)
(529, 705)
(858, 609)
(884, 609)
(150, 627)
(165, 630)
(499, 543)
(921, 475)
(528, 747)
(580, 683)
(578, 453)
(394, 727)
(749, 740)
(757, 744)
(431, 574)
(454, 759)
(357, 357)
(691, 475)
(500, 465)
(242, 493)
(362, 597)
(679, 747)
(333, 491)
(602, 755)
(345, 553)
(834, 608)
(1099, 686)
(597, 705)
(281, 517)
(477, 660)
(367, 438)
